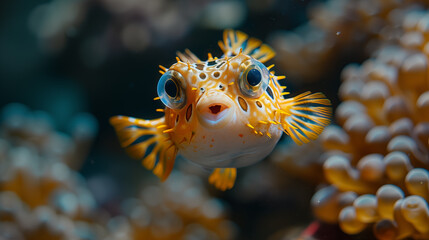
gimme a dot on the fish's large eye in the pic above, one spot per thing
(171, 89)
(254, 78)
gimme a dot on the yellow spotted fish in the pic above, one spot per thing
(222, 113)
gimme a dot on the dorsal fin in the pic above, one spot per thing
(236, 41)
(188, 56)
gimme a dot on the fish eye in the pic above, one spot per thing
(254, 78)
(171, 89)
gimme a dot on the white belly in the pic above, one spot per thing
(230, 146)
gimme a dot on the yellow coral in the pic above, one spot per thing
(180, 208)
(379, 158)
(41, 197)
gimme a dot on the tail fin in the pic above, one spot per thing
(236, 41)
(133, 134)
(305, 116)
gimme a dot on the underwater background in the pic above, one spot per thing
(67, 66)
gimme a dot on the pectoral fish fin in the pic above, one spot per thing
(223, 178)
(305, 116)
(138, 135)
(236, 41)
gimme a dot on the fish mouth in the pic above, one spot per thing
(214, 110)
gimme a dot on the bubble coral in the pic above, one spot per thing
(379, 155)
(179, 208)
(337, 29)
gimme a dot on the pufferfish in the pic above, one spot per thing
(222, 114)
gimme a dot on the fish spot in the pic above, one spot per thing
(240, 135)
(211, 145)
(242, 103)
(270, 92)
(211, 63)
(189, 112)
(259, 104)
(220, 65)
(212, 139)
(177, 118)
(199, 66)
(216, 74)
(203, 76)
(204, 137)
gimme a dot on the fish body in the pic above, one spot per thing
(217, 133)
(222, 113)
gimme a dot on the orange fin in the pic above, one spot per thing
(236, 41)
(305, 116)
(137, 135)
(188, 56)
(223, 178)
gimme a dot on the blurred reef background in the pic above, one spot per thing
(66, 66)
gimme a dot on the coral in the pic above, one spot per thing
(379, 155)
(35, 131)
(44, 221)
(337, 29)
(41, 197)
(179, 208)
